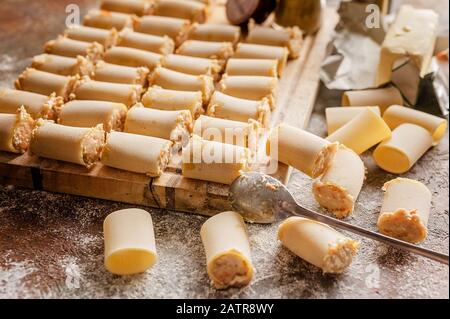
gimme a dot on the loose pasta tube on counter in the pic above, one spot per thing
(221, 51)
(190, 10)
(341, 183)
(215, 32)
(173, 80)
(76, 145)
(62, 65)
(147, 42)
(92, 113)
(37, 105)
(259, 67)
(383, 98)
(318, 244)
(87, 89)
(137, 7)
(172, 27)
(337, 117)
(129, 242)
(406, 210)
(232, 108)
(106, 72)
(107, 38)
(227, 250)
(302, 150)
(45, 83)
(192, 65)
(72, 48)
(259, 51)
(366, 130)
(213, 161)
(107, 20)
(132, 57)
(15, 131)
(169, 125)
(137, 153)
(397, 115)
(172, 100)
(397, 155)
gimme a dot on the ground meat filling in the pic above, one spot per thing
(230, 270)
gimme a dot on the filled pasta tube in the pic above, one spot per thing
(147, 42)
(72, 48)
(192, 65)
(132, 57)
(191, 10)
(341, 183)
(337, 117)
(45, 83)
(397, 115)
(318, 244)
(258, 67)
(227, 250)
(15, 131)
(86, 89)
(213, 161)
(366, 130)
(215, 32)
(259, 51)
(406, 210)
(137, 153)
(221, 51)
(172, 27)
(137, 7)
(172, 100)
(37, 105)
(107, 72)
(383, 98)
(173, 80)
(62, 65)
(76, 145)
(129, 242)
(107, 38)
(107, 20)
(409, 142)
(170, 125)
(93, 113)
(232, 108)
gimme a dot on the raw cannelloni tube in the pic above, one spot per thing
(72, 48)
(87, 89)
(171, 100)
(318, 244)
(108, 20)
(221, 51)
(174, 80)
(406, 210)
(215, 32)
(409, 142)
(129, 242)
(339, 187)
(69, 144)
(107, 38)
(213, 161)
(337, 117)
(62, 65)
(132, 57)
(259, 67)
(45, 83)
(106, 72)
(37, 105)
(307, 152)
(259, 51)
(137, 7)
(147, 42)
(92, 113)
(172, 27)
(227, 249)
(366, 130)
(378, 97)
(232, 108)
(169, 125)
(15, 131)
(136, 153)
(397, 115)
(191, 10)
(192, 65)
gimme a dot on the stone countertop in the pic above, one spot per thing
(51, 245)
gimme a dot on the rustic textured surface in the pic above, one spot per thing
(51, 244)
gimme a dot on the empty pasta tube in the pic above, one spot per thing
(215, 32)
(383, 98)
(259, 51)
(192, 65)
(337, 117)
(107, 20)
(106, 72)
(172, 27)
(72, 48)
(107, 38)
(137, 7)
(132, 57)
(63, 65)
(191, 10)
(221, 51)
(15, 131)
(147, 42)
(258, 67)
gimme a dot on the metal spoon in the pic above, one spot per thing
(263, 199)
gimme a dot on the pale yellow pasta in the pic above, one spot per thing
(192, 65)
(337, 117)
(215, 32)
(62, 65)
(383, 98)
(132, 57)
(147, 42)
(107, 38)
(72, 48)
(221, 51)
(15, 131)
(258, 67)
(172, 27)
(191, 10)
(137, 7)
(106, 72)
(259, 51)
(107, 20)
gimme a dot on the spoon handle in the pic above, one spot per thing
(297, 210)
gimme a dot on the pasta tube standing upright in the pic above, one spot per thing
(15, 131)
(382, 98)
(337, 117)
